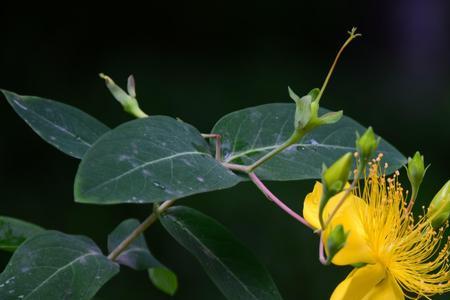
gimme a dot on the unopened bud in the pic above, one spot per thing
(307, 110)
(333, 180)
(336, 176)
(128, 101)
(367, 144)
(302, 111)
(336, 241)
(439, 209)
(416, 170)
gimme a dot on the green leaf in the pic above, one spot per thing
(13, 232)
(138, 257)
(149, 160)
(164, 279)
(54, 266)
(69, 129)
(250, 133)
(232, 267)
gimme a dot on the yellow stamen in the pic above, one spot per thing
(411, 251)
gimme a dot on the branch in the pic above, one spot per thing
(139, 230)
(277, 201)
(218, 138)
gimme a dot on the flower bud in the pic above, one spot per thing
(336, 176)
(416, 170)
(439, 209)
(307, 110)
(333, 180)
(302, 111)
(336, 241)
(128, 101)
(367, 144)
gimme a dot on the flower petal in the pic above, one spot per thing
(356, 249)
(311, 206)
(387, 289)
(360, 283)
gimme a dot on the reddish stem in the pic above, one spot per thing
(218, 138)
(277, 201)
(323, 260)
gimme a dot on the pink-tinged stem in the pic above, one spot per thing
(218, 138)
(277, 201)
(323, 260)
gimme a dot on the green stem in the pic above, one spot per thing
(139, 230)
(236, 167)
(352, 36)
(295, 137)
(137, 112)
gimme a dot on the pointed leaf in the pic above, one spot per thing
(331, 117)
(54, 266)
(250, 133)
(164, 279)
(69, 129)
(13, 232)
(232, 267)
(149, 160)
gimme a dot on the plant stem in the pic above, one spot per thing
(138, 113)
(412, 200)
(352, 36)
(295, 137)
(277, 201)
(323, 260)
(139, 230)
(218, 138)
(236, 167)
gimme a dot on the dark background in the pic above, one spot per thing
(199, 62)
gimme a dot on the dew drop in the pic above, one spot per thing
(313, 142)
(159, 185)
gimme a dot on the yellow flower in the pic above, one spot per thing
(398, 257)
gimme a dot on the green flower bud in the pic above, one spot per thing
(336, 241)
(416, 170)
(439, 209)
(367, 144)
(128, 101)
(307, 110)
(333, 181)
(302, 111)
(336, 176)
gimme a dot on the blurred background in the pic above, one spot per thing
(199, 62)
